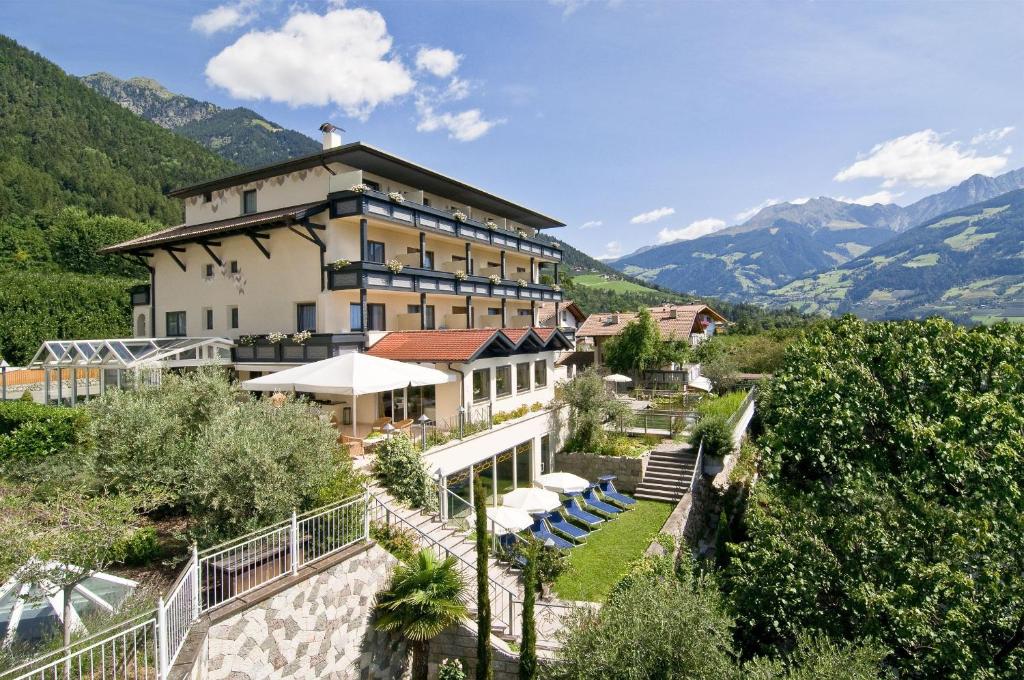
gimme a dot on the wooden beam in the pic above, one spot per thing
(301, 235)
(206, 246)
(255, 238)
(171, 250)
(314, 225)
(175, 249)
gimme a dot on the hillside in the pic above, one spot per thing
(788, 241)
(965, 264)
(239, 135)
(76, 172)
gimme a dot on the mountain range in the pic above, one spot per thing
(788, 242)
(239, 134)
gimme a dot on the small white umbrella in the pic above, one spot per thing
(531, 500)
(618, 378)
(504, 519)
(563, 482)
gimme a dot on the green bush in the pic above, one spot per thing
(625, 447)
(716, 435)
(450, 669)
(402, 472)
(398, 542)
(31, 432)
(511, 415)
(140, 548)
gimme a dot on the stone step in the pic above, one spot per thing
(677, 469)
(671, 458)
(651, 496)
(658, 484)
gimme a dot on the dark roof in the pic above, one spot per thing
(462, 345)
(184, 232)
(366, 157)
(546, 312)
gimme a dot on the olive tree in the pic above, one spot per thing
(590, 405)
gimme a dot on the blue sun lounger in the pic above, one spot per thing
(511, 548)
(575, 510)
(561, 525)
(608, 489)
(590, 497)
(542, 533)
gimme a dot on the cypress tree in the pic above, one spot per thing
(483, 596)
(528, 649)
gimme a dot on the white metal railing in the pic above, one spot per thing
(549, 618)
(462, 519)
(146, 647)
(698, 466)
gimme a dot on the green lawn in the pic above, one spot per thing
(596, 281)
(598, 564)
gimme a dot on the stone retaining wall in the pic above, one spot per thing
(459, 642)
(628, 471)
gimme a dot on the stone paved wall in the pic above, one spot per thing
(318, 628)
(628, 471)
(459, 642)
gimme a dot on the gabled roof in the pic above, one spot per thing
(546, 312)
(672, 320)
(183, 232)
(464, 345)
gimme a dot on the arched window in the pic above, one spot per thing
(140, 326)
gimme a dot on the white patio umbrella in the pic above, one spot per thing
(618, 378)
(505, 520)
(349, 374)
(531, 500)
(563, 482)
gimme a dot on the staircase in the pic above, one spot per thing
(670, 470)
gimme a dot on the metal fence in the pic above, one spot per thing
(147, 646)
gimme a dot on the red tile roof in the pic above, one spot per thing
(679, 324)
(455, 344)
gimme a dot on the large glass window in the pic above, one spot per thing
(481, 384)
(428, 321)
(375, 317)
(375, 252)
(524, 458)
(355, 316)
(547, 462)
(523, 377)
(305, 313)
(175, 324)
(540, 373)
(506, 464)
(485, 469)
(503, 381)
(421, 399)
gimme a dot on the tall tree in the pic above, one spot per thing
(424, 597)
(483, 592)
(640, 347)
(528, 669)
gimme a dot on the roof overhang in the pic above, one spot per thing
(127, 353)
(369, 158)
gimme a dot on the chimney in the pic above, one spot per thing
(673, 313)
(613, 319)
(332, 136)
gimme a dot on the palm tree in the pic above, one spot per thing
(425, 597)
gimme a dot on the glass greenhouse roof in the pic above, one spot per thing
(132, 352)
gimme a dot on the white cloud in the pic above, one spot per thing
(457, 89)
(437, 60)
(691, 231)
(992, 136)
(570, 6)
(223, 17)
(342, 57)
(591, 224)
(652, 215)
(750, 212)
(612, 250)
(464, 127)
(798, 201)
(921, 159)
(884, 196)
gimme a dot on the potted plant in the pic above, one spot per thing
(460, 275)
(494, 278)
(247, 340)
(340, 263)
(301, 337)
(359, 188)
(396, 196)
(395, 266)
(555, 287)
(276, 337)
(491, 224)
(521, 283)
(521, 234)
(459, 216)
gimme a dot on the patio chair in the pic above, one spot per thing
(608, 491)
(404, 425)
(378, 425)
(560, 525)
(592, 500)
(575, 510)
(540, 530)
(353, 444)
(510, 550)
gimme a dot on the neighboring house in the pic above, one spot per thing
(565, 315)
(354, 249)
(689, 323)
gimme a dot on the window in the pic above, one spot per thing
(494, 311)
(426, 201)
(520, 270)
(503, 381)
(234, 266)
(175, 324)
(375, 317)
(481, 384)
(249, 202)
(375, 252)
(428, 321)
(355, 316)
(540, 373)
(233, 315)
(412, 309)
(523, 377)
(208, 314)
(428, 259)
(525, 312)
(373, 185)
(305, 317)
(207, 196)
(208, 271)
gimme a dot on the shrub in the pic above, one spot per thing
(716, 435)
(511, 415)
(30, 432)
(402, 472)
(141, 547)
(624, 447)
(450, 669)
(399, 542)
(590, 407)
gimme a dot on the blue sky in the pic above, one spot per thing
(633, 122)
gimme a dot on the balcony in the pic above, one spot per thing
(260, 349)
(139, 295)
(377, 276)
(431, 220)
